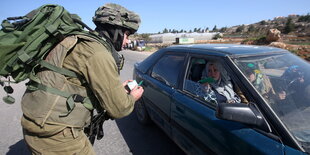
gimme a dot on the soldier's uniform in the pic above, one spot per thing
(48, 126)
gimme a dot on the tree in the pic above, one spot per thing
(214, 28)
(251, 28)
(165, 30)
(195, 29)
(289, 26)
(199, 30)
(223, 29)
(305, 18)
(240, 29)
(207, 29)
(263, 22)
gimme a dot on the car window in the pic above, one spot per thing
(208, 80)
(167, 69)
(283, 81)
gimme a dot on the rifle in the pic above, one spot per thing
(95, 129)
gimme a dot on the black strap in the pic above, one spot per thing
(95, 129)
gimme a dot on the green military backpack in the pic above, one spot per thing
(26, 40)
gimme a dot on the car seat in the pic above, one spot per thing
(196, 72)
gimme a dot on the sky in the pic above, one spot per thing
(156, 15)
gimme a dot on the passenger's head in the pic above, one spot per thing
(215, 70)
(116, 23)
(249, 73)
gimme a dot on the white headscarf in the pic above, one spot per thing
(222, 86)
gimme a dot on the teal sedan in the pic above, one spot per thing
(270, 116)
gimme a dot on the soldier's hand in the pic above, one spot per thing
(137, 92)
(125, 83)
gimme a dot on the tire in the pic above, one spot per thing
(142, 113)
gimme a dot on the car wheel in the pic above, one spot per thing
(141, 112)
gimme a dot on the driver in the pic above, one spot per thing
(295, 83)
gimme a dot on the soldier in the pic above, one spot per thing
(51, 125)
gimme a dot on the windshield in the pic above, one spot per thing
(283, 80)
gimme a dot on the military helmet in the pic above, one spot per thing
(115, 14)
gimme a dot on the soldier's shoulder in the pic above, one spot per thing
(92, 45)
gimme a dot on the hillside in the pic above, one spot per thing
(293, 34)
(293, 24)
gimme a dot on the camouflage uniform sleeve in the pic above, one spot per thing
(101, 74)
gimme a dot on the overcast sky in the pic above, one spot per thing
(157, 15)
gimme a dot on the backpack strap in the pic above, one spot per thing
(71, 98)
(35, 84)
(59, 70)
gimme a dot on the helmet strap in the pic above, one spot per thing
(112, 33)
(117, 32)
(118, 38)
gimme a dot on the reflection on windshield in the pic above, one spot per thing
(283, 80)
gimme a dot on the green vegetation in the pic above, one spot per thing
(263, 22)
(251, 28)
(223, 29)
(305, 18)
(289, 26)
(298, 43)
(214, 28)
(240, 29)
(218, 36)
(260, 40)
(148, 48)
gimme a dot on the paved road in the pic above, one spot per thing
(122, 137)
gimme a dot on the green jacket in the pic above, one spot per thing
(95, 63)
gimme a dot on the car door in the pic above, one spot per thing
(160, 86)
(196, 129)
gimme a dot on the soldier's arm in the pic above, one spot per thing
(101, 74)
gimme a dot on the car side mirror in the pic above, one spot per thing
(242, 113)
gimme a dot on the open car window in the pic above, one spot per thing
(202, 82)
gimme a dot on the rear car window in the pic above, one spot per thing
(167, 69)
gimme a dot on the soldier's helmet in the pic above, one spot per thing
(115, 14)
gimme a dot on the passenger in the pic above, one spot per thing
(256, 78)
(260, 81)
(218, 84)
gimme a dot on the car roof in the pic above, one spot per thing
(223, 50)
(231, 49)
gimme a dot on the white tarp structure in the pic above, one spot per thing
(171, 37)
